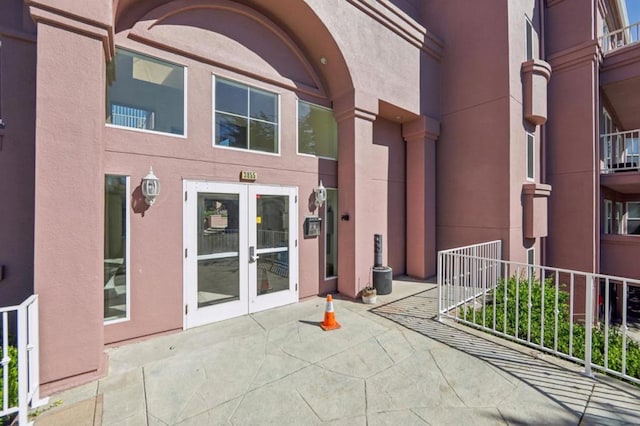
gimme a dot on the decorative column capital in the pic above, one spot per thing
(355, 103)
(421, 128)
(42, 12)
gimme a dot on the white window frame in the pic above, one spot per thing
(627, 218)
(619, 218)
(531, 261)
(608, 217)
(530, 137)
(304, 154)
(213, 116)
(529, 37)
(127, 251)
(184, 112)
(607, 124)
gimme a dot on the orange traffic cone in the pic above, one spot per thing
(329, 322)
(265, 286)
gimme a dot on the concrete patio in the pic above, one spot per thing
(390, 363)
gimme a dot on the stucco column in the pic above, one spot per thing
(69, 197)
(421, 135)
(355, 113)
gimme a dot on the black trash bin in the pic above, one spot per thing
(382, 277)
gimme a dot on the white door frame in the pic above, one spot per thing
(249, 299)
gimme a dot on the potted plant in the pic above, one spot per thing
(369, 295)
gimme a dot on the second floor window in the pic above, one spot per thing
(530, 40)
(245, 117)
(317, 131)
(146, 93)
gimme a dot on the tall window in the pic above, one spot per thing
(116, 248)
(608, 217)
(531, 157)
(633, 218)
(531, 260)
(619, 213)
(331, 233)
(530, 40)
(317, 131)
(607, 129)
(245, 117)
(146, 93)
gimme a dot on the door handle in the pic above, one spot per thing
(253, 257)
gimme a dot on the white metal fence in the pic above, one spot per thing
(579, 316)
(489, 250)
(621, 151)
(25, 347)
(623, 37)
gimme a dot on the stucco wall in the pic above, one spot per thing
(473, 148)
(17, 140)
(69, 202)
(573, 147)
(75, 149)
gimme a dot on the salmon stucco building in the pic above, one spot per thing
(167, 164)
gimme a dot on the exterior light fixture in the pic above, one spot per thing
(150, 187)
(321, 194)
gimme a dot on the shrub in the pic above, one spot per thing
(13, 378)
(529, 328)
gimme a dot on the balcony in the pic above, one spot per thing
(620, 161)
(619, 255)
(620, 74)
(618, 39)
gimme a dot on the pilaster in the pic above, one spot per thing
(420, 136)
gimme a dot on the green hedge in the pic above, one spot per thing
(520, 286)
(13, 378)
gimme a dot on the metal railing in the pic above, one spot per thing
(579, 316)
(621, 151)
(615, 40)
(489, 250)
(25, 352)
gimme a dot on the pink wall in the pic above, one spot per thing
(572, 151)
(74, 149)
(17, 106)
(473, 147)
(69, 203)
(619, 255)
(390, 146)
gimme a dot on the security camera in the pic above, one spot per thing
(2, 126)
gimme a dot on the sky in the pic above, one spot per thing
(633, 11)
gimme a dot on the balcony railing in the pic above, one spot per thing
(620, 38)
(620, 151)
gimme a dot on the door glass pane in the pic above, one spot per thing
(272, 231)
(218, 238)
(273, 272)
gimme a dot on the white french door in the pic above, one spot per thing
(240, 248)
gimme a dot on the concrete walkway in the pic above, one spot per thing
(390, 364)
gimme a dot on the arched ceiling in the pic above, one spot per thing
(293, 17)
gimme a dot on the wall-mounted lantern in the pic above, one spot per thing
(321, 194)
(150, 187)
